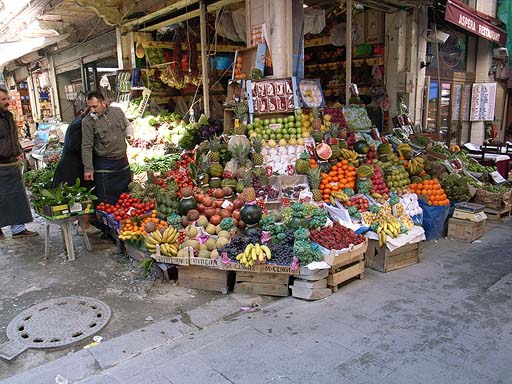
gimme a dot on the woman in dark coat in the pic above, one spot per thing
(70, 165)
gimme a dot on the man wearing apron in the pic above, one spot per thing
(104, 133)
(14, 206)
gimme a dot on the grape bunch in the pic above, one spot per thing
(239, 243)
(282, 248)
(265, 191)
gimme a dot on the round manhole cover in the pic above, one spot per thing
(56, 323)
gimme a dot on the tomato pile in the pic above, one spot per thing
(126, 206)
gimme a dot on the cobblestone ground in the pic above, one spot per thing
(28, 279)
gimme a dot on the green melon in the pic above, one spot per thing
(361, 147)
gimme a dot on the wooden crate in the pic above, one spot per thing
(465, 230)
(208, 279)
(495, 214)
(343, 272)
(270, 284)
(343, 257)
(383, 260)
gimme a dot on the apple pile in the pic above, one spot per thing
(378, 183)
(359, 202)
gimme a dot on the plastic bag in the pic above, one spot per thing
(433, 219)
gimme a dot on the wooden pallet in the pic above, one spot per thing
(383, 260)
(465, 230)
(345, 271)
(496, 215)
(270, 284)
(207, 279)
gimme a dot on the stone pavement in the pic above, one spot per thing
(445, 320)
(135, 301)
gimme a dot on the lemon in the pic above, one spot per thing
(272, 143)
(282, 142)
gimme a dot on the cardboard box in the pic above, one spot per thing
(63, 211)
(253, 57)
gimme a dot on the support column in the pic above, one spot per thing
(348, 53)
(483, 63)
(204, 57)
(125, 49)
(422, 82)
(395, 56)
(277, 15)
(54, 90)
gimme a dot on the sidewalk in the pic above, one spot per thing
(445, 320)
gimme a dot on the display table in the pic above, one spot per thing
(65, 226)
(500, 160)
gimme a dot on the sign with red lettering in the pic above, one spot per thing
(473, 21)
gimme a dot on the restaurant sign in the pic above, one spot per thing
(474, 21)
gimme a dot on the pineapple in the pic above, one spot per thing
(240, 153)
(314, 178)
(240, 114)
(317, 121)
(257, 157)
(248, 194)
(334, 130)
(215, 147)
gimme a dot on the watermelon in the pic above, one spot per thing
(323, 151)
(361, 147)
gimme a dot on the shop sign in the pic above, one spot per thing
(474, 21)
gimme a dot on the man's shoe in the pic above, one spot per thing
(24, 233)
(2, 236)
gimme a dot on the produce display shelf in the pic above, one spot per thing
(356, 63)
(171, 45)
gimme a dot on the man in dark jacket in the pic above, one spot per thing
(14, 206)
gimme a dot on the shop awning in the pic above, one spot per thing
(16, 49)
(474, 21)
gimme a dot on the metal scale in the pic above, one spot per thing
(469, 211)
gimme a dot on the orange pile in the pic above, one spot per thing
(138, 226)
(433, 190)
(340, 176)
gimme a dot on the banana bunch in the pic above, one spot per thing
(254, 253)
(130, 235)
(391, 228)
(416, 165)
(341, 196)
(168, 241)
(404, 150)
(348, 154)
